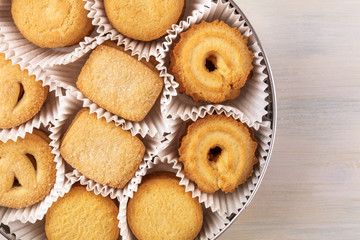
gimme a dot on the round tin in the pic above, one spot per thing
(271, 116)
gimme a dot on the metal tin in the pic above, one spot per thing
(271, 116)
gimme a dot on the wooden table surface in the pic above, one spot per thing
(311, 189)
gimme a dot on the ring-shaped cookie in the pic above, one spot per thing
(21, 97)
(218, 152)
(211, 62)
(27, 170)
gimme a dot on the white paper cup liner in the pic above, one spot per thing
(28, 55)
(224, 204)
(47, 113)
(251, 102)
(38, 210)
(66, 76)
(69, 107)
(29, 231)
(213, 221)
(141, 48)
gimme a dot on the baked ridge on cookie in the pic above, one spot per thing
(80, 214)
(51, 24)
(161, 209)
(119, 82)
(27, 170)
(100, 150)
(211, 62)
(225, 157)
(21, 96)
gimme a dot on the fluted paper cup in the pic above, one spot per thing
(69, 107)
(213, 222)
(30, 231)
(140, 48)
(66, 77)
(250, 104)
(38, 210)
(28, 55)
(224, 204)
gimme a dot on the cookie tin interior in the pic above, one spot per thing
(271, 116)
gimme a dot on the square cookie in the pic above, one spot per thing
(100, 150)
(119, 82)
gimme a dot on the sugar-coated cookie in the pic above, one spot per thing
(27, 170)
(21, 97)
(120, 83)
(100, 150)
(144, 20)
(51, 23)
(161, 209)
(81, 214)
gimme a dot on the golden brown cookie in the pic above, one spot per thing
(218, 152)
(161, 209)
(120, 83)
(81, 214)
(51, 23)
(144, 20)
(211, 62)
(100, 150)
(27, 170)
(21, 97)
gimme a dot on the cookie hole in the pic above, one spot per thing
(21, 92)
(16, 183)
(210, 63)
(214, 154)
(32, 160)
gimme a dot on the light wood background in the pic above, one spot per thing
(312, 187)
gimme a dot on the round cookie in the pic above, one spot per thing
(218, 152)
(81, 214)
(161, 209)
(143, 20)
(51, 23)
(27, 170)
(21, 97)
(211, 62)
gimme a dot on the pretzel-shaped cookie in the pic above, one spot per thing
(21, 97)
(27, 170)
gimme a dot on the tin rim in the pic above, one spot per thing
(272, 115)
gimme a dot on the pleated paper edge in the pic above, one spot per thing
(151, 125)
(213, 221)
(173, 107)
(40, 57)
(224, 204)
(38, 210)
(69, 107)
